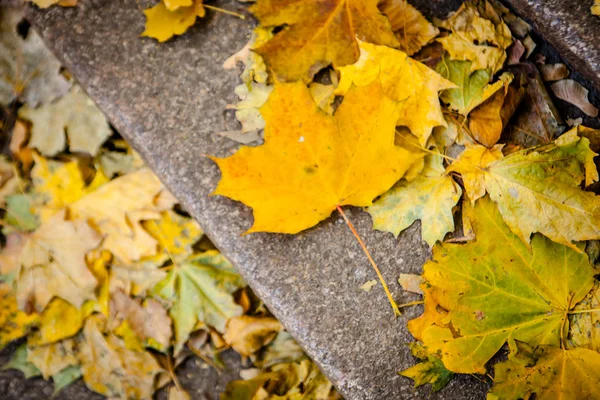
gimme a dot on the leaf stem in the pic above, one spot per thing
(224, 11)
(412, 303)
(373, 264)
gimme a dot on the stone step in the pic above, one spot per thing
(168, 101)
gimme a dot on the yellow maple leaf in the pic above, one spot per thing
(410, 26)
(312, 162)
(430, 198)
(175, 234)
(537, 289)
(537, 190)
(116, 209)
(319, 33)
(596, 7)
(52, 263)
(14, 323)
(411, 85)
(165, 21)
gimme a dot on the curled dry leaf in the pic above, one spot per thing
(573, 92)
(487, 121)
(553, 72)
(537, 120)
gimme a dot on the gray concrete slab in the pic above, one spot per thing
(168, 100)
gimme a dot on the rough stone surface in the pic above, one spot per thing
(168, 100)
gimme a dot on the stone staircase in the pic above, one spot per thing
(168, 101)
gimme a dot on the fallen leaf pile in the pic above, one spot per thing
(104, 277)
(351, 102)
(451, 123)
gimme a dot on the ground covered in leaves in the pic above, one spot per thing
(347, 102)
